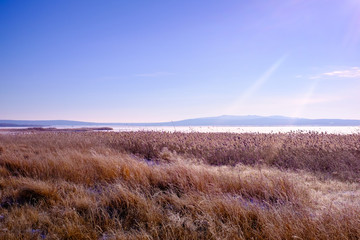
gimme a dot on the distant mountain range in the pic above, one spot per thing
(225, 120)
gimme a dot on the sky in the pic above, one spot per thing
(161, 60)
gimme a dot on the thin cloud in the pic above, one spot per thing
(154, 74)
(353, 72)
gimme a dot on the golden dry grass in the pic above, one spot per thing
(151, 185)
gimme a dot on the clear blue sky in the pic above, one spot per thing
(143, 61)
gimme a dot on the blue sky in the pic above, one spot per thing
(145, 61)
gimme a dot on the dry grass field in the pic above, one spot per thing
(156, 185)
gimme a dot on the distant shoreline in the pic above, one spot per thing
(191, 129)
(219, 121)
(53, 129)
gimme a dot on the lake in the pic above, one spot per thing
(226, 129)
(235, 129)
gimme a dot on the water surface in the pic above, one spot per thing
(226, 129)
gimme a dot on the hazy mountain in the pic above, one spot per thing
(225, 120)
(253, 120)
(13, 125)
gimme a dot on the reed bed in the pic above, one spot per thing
(157, 185)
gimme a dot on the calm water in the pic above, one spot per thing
(231, 129)
(337, 130)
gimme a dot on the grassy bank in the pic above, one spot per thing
(151, 185)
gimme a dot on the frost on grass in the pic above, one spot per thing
(151, 185)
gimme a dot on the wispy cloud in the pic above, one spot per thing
(353, 72)
(154, 74)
